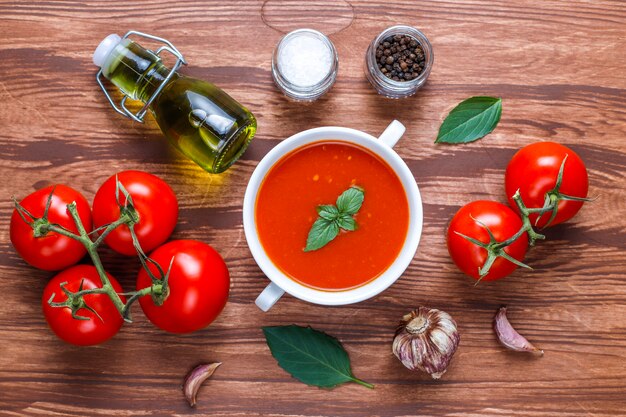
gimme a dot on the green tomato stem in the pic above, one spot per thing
(527, 226)
(124, 219)
(83, 237)
(90, 291)
(62, 231)
(106, 284)
(92, 250)
(91, 247)
(495, 249)
(129, 217)
(134, 297)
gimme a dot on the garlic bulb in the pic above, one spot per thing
(426, 340)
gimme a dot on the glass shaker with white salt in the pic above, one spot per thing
(305, 64)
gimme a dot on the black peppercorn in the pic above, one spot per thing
(400, 57)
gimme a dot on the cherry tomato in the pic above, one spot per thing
(534, 170)
(153, 199)
(503, 223)
(52, 251)
(82, 332)
(198, 286)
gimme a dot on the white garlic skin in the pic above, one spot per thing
(426, 340)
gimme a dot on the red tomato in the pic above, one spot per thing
(153, 199)
(82, 332)
(534, 170)
(503, 223)
(52, 251)
(198, 286)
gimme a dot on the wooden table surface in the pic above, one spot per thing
(559, 67)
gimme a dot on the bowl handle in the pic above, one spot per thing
(269, 296)
(392, 133)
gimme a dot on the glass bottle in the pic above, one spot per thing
(386, 86)
(199, 119)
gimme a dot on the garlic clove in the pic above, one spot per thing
(509, 337)
(426, 340)
(194, 380)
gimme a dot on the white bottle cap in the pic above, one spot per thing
(104, 49)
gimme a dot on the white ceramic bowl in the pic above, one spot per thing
(281, 283)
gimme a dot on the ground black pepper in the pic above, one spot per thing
(400, 57)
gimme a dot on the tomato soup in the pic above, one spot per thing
(317, 174)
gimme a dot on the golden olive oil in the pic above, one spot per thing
(201, 120)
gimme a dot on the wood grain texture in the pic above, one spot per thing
(559, 66)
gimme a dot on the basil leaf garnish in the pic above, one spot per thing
(350, 201)
(347, 222)
(322, 232)
(328, 212)
(332, 218)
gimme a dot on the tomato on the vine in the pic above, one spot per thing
(533, 171)
(503, 222)
(152, 198)
(52, 251)
(82, 332)
(198, 286)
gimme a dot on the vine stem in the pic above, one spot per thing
(495, 249)
(527, 226)
(129, 217)
(92, 250)
(134, 297)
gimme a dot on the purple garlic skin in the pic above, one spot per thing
(194, 380)
(426, 340)
(509, 337)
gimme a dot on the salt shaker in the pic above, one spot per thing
(305, 64)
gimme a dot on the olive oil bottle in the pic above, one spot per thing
(202, 121)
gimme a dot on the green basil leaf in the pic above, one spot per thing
(310, 356)
(470, 120)
(331, 218)
(350, 201)
(346, 222)
(328, 212)
(322, 232)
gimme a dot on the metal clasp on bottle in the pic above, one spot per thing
(122, 109)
